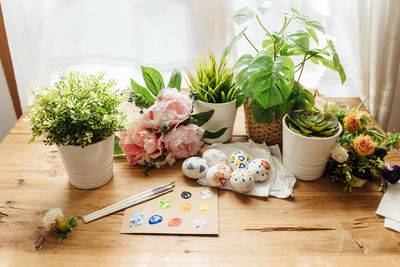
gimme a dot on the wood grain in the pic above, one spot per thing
(320, 225)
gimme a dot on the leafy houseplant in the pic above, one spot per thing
(268, 79)
(213, 87)
(79, 114)
(308, 137)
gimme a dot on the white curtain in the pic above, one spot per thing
(48, 37)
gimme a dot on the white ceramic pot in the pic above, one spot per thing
(89, 167)
(306, 157)
(224, 116)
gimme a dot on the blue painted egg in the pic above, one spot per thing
(260, 169)
(239, 159)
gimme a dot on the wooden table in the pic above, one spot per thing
(321, 225)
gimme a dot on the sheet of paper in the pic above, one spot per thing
(186, 210)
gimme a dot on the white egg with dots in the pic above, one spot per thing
(259, 169)
(242, 181)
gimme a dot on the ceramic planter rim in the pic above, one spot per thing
(225, 103)
(311, 138)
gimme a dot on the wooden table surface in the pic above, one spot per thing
(320, 225)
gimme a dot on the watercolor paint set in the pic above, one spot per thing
(186, 210)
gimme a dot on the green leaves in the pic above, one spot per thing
(212, 81)
(304, 20)
(175, 80)
(228, 49)
(80, 109)
(117, 148)
(242, 15)
(214, 135)
(153, 80)
(200, 119)
(336, 62)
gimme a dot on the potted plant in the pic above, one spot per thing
(267, 78)
(308, 138)
(80, 114)
(213, 87)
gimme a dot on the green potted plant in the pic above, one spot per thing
(268, 78)
(308, 138)
(213, 87)
(80, 114)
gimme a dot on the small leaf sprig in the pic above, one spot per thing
(55, 219)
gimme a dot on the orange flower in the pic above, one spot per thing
(364, 145)
(351, 122)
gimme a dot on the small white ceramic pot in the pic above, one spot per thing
(306, 157)
(89, 167)
(224, 116)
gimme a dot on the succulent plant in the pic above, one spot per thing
(312, 123)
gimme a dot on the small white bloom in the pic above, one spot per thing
(50, 217)
(339, 154)
(357, 182)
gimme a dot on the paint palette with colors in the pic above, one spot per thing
(218, 175)
(239, 159)
(195, 167)
(241, 180)
(259, 169)
(215, 156)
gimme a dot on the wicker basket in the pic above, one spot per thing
(270, 133)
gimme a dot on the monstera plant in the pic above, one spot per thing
(312, 124)
(268, 77)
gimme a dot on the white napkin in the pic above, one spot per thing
(390, 207)
(280, 183)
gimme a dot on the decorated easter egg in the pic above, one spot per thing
(259, 169)
(215, 156)
(242, 181)
(239, 160)
(195, 167)
(218, 174)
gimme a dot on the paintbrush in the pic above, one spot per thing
(131, 201)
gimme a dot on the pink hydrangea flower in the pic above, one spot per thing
(139, 142)
(184, 141)
(170, 106)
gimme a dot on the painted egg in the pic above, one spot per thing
(242, 181)
(195, 167)
(239, 160)
(215, 156)
(218, 175)
(259, 169)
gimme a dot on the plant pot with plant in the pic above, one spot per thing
(213, 87)
(80, 114)
(308, 138)
(268, 79)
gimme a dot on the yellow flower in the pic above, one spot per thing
(364, 145)
(351, 122)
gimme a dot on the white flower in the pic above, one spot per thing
(357, 182)
(50, 217)
(339, 154)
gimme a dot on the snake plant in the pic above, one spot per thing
(312, 123)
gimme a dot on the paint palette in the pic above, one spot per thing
(185, 211)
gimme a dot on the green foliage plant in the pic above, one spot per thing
(213, 81)
(80, 109)
(267, 78)
(312, 123)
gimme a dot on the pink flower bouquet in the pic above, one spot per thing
(166, 129)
